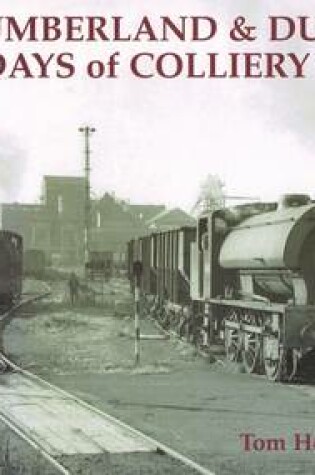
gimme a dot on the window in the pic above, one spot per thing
(98, 219)
(59, 204)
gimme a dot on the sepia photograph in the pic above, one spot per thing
(157, 238)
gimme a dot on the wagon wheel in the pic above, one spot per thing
(164, 317)
(159, 311)
(251, 347)
(273, 356)
(184, 324)
(183, 327)
(190, 329)
(180, 322)
(199, 332)
(232, 338)
(154, 309)
(175, 319)
(143, 304)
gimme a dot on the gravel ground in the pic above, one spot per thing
(174, 395)
(127, 464)
(69, 341)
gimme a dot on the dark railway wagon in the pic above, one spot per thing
(171, 261)
(100, 265)
(165, 259)
(11, 262)
(34, 262)
(140, 250)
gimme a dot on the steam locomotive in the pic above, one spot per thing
(11, 258)
(244, 276)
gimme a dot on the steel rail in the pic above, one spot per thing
(160, 446)
(22, 435)
(26, 301)
(34, 444)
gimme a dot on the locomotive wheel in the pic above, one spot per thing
(251, 347)
(292, 359)
(232, 339)
(273, 358)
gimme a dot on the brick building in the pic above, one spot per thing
(56, 225)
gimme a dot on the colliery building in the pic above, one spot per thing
(56, 225)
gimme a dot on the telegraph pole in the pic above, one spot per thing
(87, 132)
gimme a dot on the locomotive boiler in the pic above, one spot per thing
(251, 283)
(272, 259)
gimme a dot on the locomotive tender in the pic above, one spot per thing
(244, 275)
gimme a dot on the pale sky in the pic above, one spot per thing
(157, 139)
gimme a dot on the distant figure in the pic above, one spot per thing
(73, 283)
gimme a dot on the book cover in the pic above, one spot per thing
(123, 119)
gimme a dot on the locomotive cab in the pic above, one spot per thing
(210, 278)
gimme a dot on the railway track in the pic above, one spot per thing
(6, 315)
(57, 453)
(26, 300)
(57, 424)
(60, 426)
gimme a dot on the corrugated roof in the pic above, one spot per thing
(66, 179)
(147, 211)
(174, 214)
